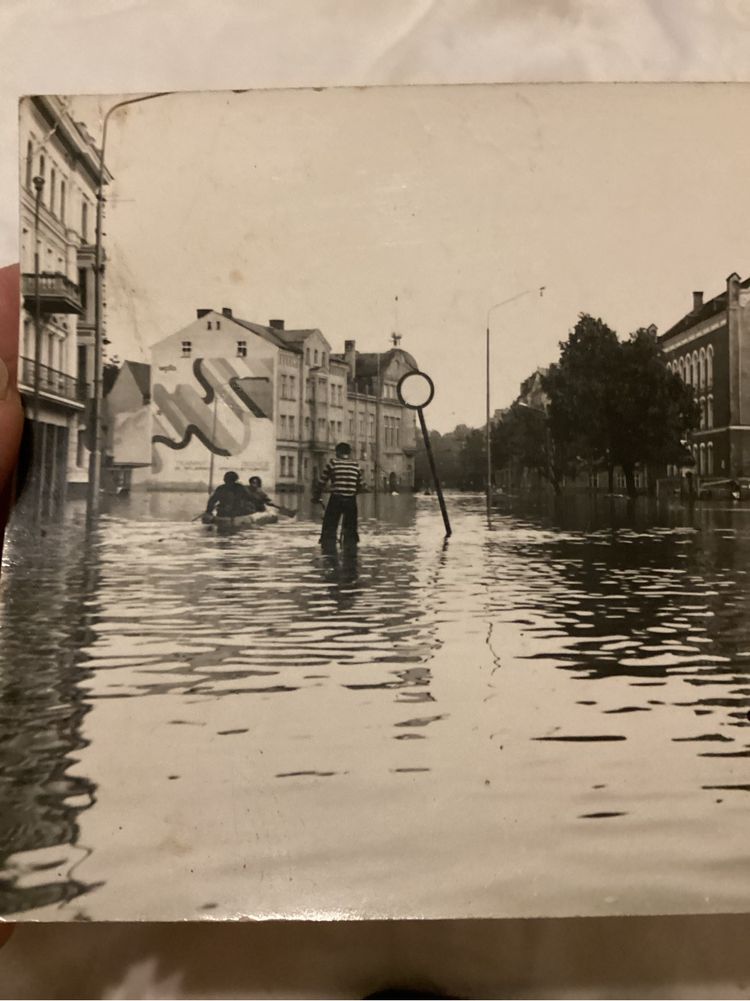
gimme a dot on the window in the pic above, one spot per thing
(321, 427)
(282, 463)
(29, 163)
(702, 368)
(83, 287)
(695, 368)
(361, 425)
(52, 186)
(42, 167)
(322, 388)
(316, 356)
(703, 412)
(702, 460)
(85, 219)
(372, 427)
(218, 324)
(283, 387)
(282, 422)
(351, 423)
(291, 427)
(681, 370)
(307, 427)
(710, 412)
(242, 349)
(710, 367)
(62, 201)
(187, 349)
(290, 465)
(307, 356)
(710, 459)
(340, 427)
(292, 394)
(322, 358)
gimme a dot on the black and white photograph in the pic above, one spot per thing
(379, 544)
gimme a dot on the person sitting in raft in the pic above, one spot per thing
(344, 477)
(229, 499)
(258, 497)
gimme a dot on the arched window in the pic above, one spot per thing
(29, 163)
(695, 368)
(710, 412)
(702, 460)
(710, 366)
(684, 375)
(702, 368)
(710, 459)
(703, 412)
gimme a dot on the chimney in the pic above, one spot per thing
(350, 355)
(276, 324)
(226, 311)
(203, 312)
(697, 301)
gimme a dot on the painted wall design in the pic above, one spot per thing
(206, 407)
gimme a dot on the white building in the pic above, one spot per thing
(58, 181)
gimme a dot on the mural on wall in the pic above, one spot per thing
(226, 408)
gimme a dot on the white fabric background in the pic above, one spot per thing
(99, 46)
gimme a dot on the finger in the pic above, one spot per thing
(11, 414)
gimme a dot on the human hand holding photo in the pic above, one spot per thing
(11, 413)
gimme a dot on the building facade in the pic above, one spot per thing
(227, 393)
(709, 348)
(58, 184)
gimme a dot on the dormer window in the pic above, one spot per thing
(242, 349)
(187, 349)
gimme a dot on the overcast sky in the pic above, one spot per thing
(322, 206)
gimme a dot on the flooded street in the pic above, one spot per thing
(548, 718)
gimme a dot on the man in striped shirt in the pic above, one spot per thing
(344, 478)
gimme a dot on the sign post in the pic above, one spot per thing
(415, 391)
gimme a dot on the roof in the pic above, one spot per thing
(142, 375)
(291, 340)
(711, 308)
(369, 364)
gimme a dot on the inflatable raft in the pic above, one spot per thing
(255, 520)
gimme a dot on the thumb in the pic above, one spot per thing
(11, 413)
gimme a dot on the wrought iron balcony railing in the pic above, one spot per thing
(52, 381)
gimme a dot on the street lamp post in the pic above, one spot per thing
(95, 456)
(488, 429)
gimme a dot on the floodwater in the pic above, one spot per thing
(546, 718)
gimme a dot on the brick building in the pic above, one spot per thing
(709, 348)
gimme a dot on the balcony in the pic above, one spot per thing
(51, 382)
(57, 293)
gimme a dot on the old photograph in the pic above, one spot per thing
(378, 542)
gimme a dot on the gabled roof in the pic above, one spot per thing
(291, 340)
(711, 308)
(142, 375)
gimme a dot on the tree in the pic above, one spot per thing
(653, 408)
(616, 403)
(580, 389)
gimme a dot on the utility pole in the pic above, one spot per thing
(95, 456)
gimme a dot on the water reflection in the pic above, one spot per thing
(49, 613)
(580, 666)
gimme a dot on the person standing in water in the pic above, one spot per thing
(343, 476)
